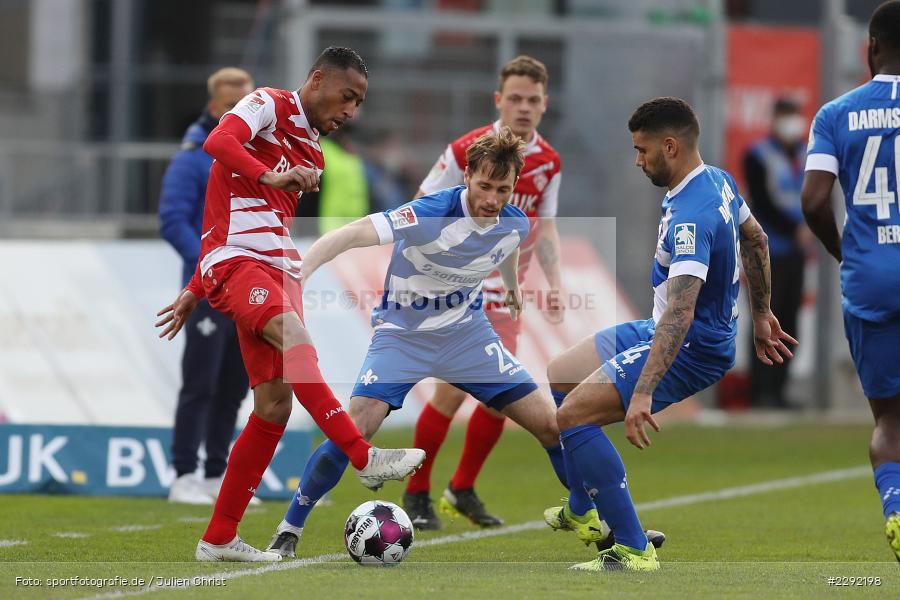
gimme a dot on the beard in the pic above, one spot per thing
(659, 173)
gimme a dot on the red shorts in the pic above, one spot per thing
(506, 328)
(251, 293)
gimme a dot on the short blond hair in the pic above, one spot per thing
(227, 76)
(500, 152)
(526, 66)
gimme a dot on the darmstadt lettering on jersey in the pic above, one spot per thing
(874, 118)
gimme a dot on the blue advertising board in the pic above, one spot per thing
(95, 460)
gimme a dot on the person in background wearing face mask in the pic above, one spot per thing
(773, 168)
(214, 381)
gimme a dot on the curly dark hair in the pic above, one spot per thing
(340, 58)
(885, 24)
(665, 115)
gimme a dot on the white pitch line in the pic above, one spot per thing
(10, 543)
(74, 535)
(132, 528)
(723, 494)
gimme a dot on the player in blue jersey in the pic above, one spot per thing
(856, 139)
(430, 322)
(630, 371)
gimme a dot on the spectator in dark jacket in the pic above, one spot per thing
(214, 382)
(773, 168)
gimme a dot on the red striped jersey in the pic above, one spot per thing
(243, 217)
(536, 193)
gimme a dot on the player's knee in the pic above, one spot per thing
(566, 417)
(275, 412)
(548, 435)
(558, 376)
(274, 406)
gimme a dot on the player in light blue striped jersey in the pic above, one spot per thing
(430, 322)
(856, 139)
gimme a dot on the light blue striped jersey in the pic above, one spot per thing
(440, 259)
(698, 235)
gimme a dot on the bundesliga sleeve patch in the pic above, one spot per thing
(404, 217)
(685, 238)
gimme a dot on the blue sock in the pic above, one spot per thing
(323, 471)
(559, 465)
(887, 480)
(579, 501)
(604, 476)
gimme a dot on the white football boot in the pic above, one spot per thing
(389, 464)
(236, 550)
(187, 489)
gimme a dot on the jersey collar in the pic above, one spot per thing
(464, 199)
(886, 78)
(302, 120)
(687, 179)
(530, 146)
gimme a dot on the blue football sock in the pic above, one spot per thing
(559, 466)
(323, 471)
(604, 476)
(579, 501)
(887, 480)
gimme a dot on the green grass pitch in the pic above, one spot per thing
(777, 541)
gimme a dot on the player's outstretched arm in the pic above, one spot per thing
(815, 198)
(548, 253)
(768, 337)
(358, 234)
(509, 272)
(670, 332)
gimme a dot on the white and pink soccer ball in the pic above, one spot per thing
(378, 533)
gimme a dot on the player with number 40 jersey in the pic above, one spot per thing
(856, 139)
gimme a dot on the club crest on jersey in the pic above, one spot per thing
(404, 217)
(685, 238)
(258, 295)
(541, 181)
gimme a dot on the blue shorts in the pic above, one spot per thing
(623, 351)
(875, 348)
(469, 356)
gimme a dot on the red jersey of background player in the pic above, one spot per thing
(536, 193)
(243, 217)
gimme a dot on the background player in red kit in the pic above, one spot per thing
(521, 101)
(267, 153)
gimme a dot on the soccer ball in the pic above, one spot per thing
(378, 533)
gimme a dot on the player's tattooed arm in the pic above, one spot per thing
(358, 234)
(815, 198)
(769, 340)
(671, 330)
(547, 248)
(755, 259)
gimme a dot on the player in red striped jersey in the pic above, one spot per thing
(521, 101)
(267, 154)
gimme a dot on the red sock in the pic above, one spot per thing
(431, 429)
(301, 370)
(249, 459)
(481, 436)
